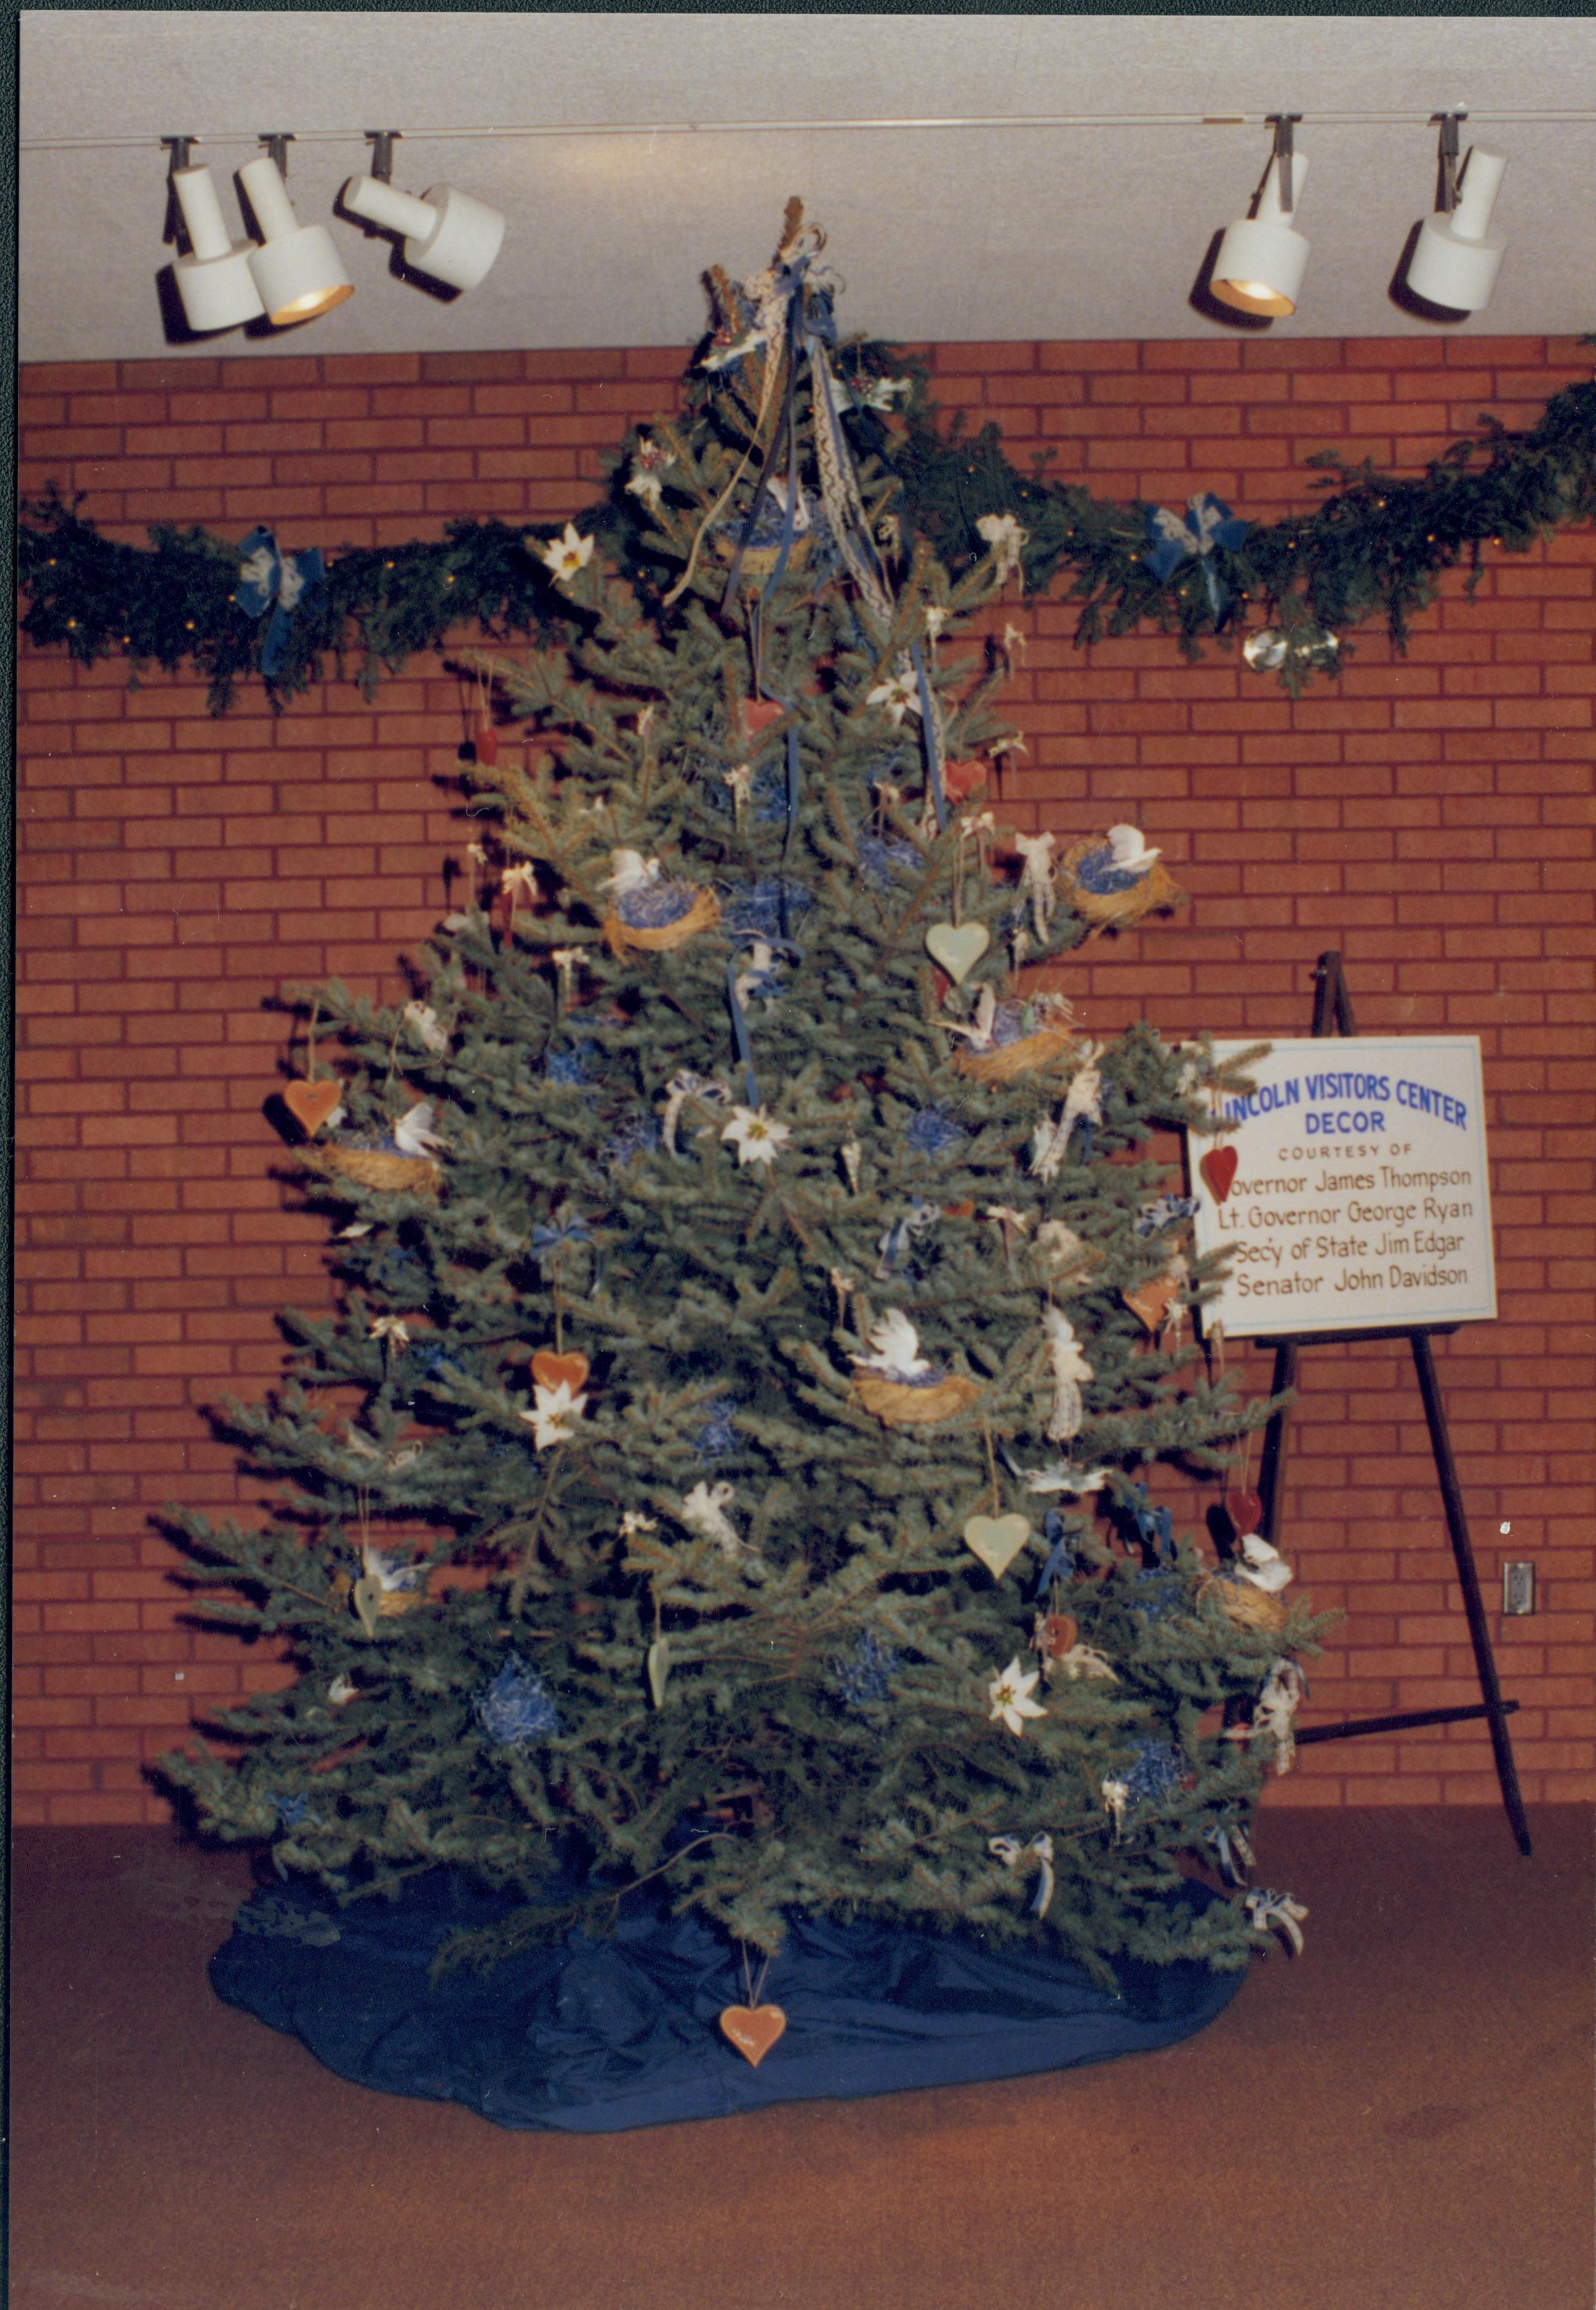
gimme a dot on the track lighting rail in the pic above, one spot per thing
(508, 135)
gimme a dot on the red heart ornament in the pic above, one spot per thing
(758, 714)
(753, 2030)
(1217, 1169)
(1245, 1510)
(960, 779)
(485, 745)
(311, 1103)
(1151, 1301)
(550, 1370)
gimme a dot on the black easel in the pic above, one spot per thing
(1333, 1014)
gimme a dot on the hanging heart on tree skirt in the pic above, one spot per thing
(1217, 1169)
(997, 1541)
(1151, 1300)
(550, 1370)
(757, 713)
(958, 946)
(485, 745)
(1245, 1510)
(311, 1103)
(753, 2030)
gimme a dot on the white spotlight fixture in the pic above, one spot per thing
(1261, 260)
(446, 235)
(214, 281)
(298, 272)
(1457, 256)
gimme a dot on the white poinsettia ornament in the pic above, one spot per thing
(553, 1413)
(756, 1135)
(564, 557)
(896, 696)
(1009, 1693)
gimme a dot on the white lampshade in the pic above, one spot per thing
(1261, 260)
(215, 284)
(298, 272)
(1457, 258)
(448, 236)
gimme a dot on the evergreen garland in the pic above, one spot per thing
(1376, 547)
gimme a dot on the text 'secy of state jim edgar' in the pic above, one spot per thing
(1359, 1196)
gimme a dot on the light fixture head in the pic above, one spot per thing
(298, 272)
(214, 282)
(1457, 256)
(1261, 258)
(449, 235)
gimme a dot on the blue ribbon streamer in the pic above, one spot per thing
(929, 740)
(740, 1029)
(1061, 1563)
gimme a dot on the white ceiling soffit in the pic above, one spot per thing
(985, 232)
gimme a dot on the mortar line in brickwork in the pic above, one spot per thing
(796, 127)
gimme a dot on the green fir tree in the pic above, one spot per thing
(743, 1490)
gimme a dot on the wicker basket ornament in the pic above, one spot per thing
(702, 915)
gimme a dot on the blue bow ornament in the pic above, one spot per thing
(282, 583)
(1175, 537)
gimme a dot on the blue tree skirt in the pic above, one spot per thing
(596, 2037)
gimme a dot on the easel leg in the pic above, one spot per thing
(1271, 1467)
(1457, 1526)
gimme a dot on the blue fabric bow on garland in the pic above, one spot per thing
(1192, 537)
(282, 583)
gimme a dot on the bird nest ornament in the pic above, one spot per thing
(1113, 880)
(650, 911)
(901, 1386)
(1011, 1039)
(1246, 1606)
(378, 1167)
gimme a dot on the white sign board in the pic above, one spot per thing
(1358, 1195)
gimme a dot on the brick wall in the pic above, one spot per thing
(1429, 815)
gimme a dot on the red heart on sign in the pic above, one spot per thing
(550, 1370)
(1218, 1168)
(1245, 1510)
(311, 1103)
(960, 779)
(753, 2030)
(758, 714)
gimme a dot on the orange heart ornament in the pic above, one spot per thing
(1151, 1301)
(753, 2030)
(550, 1370)
(311, 1103)
(756, 715)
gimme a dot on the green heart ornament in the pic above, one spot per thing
(997, 1541)
(958, 946)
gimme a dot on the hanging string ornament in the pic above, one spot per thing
(1113, 880)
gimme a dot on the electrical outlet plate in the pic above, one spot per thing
(1518, 1588)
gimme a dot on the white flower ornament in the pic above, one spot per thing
(1009, 1693)
(756, 1135)
(564, 557)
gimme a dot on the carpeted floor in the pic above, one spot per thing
(1400, 2120)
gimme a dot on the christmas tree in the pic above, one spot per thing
(725, 1469)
